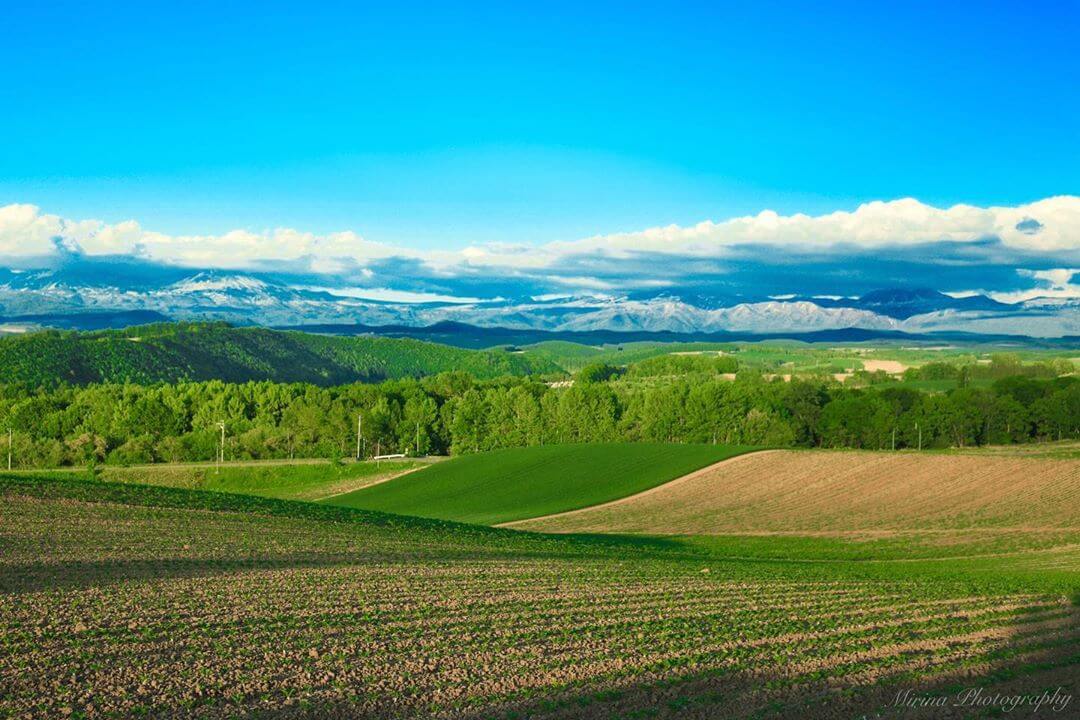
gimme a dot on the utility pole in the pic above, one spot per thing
(359, 430)
(9, 448)
(417, 439)
(919, 429)
(894, 438)
(221, 450)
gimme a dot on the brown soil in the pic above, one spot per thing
(801, 491)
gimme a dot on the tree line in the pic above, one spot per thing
(455, 413)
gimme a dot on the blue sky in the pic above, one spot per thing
(719, 151)
(439, 127)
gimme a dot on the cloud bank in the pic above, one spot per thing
(1005, 250)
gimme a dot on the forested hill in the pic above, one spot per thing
(169, 352)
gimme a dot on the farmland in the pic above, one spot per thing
(806, 491)
(517, 483)
(621, 561)
(312, 480)
(785, 356)
(121, 600)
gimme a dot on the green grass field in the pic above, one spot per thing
(518, 483)
(573, 356)
(287, 481)
(790, 357)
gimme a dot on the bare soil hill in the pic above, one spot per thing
(825, 491)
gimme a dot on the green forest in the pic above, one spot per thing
(458, 413)
(175, 352)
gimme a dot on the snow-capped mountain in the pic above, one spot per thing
(903, 303)
(211, 282)
(249, 299)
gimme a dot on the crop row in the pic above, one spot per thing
(201, 632)
(114, 610)
(252, 647)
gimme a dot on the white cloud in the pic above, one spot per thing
(876, 224)
(397, 296)
(550, 297)
(582, 282)
(24, 232)
(1056, 278)
(27, 232)
(1054, 284)
(1047, 226)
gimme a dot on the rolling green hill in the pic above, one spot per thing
(520, 483)
(573, 356)
(171, 352)
(305, 480)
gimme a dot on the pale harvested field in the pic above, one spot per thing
(892, 367)
(805, 491)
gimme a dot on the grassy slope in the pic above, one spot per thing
(766, 356)
(765, 556)
(301, 481)
(519, 483)
(1055, 450)
(981, 560)
(170, 352)
(574, 356)
(780, 356)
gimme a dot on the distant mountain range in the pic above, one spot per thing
(903, 304)
(53, 298)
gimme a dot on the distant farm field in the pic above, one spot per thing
(808, 491)
(310, 480)
(517, 483)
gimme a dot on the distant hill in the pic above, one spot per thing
(171, 352)
(904, 303)
(524, 482)
(102, 320)
(768, 492)
(472, 336)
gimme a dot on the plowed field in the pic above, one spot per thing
(119, 601)
(798, 491)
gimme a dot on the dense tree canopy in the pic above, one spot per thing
(174, 352)
(453, 412)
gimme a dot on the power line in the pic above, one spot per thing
(360, 430)
(221, 450)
